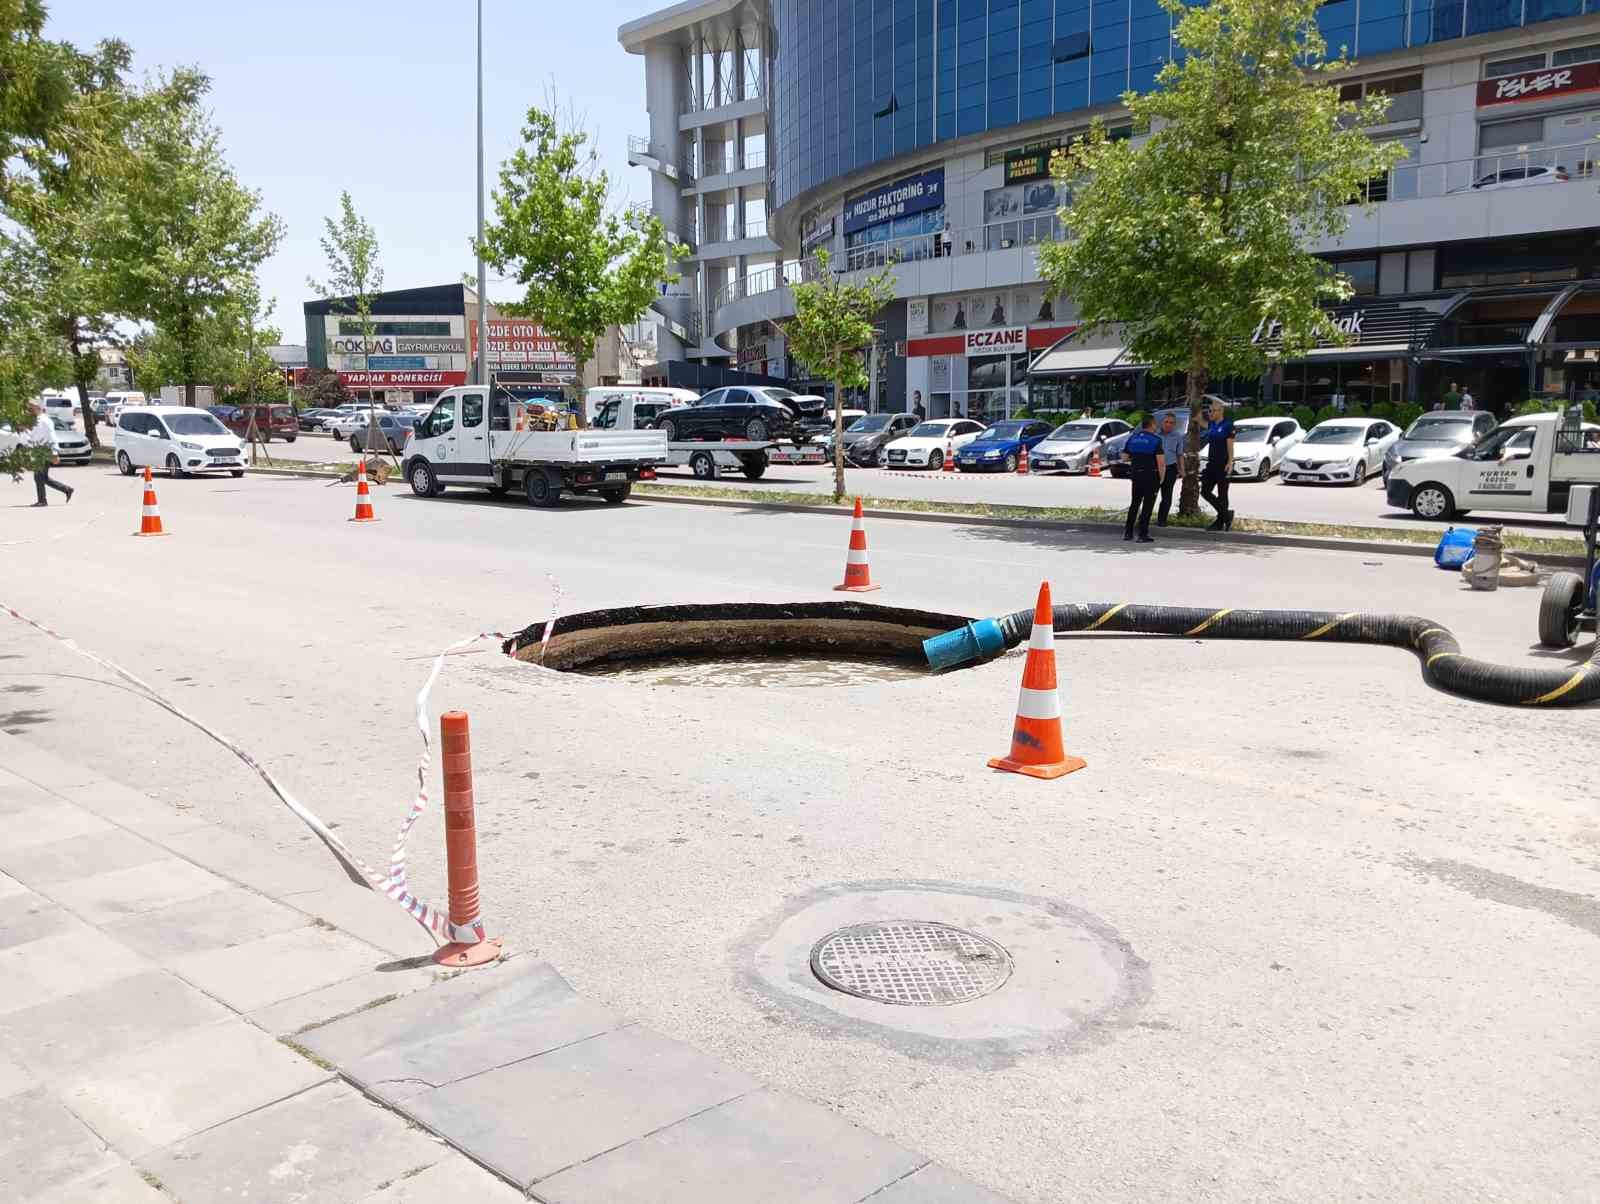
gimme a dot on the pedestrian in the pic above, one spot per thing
(946, 244)
(1142, 453)
(1219, 466)
(1172, 451)
(1452, 396)
(43, 435)
(1467, 403)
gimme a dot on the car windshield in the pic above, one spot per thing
(1003, 430)
(1335, 434)
(870, 422)
(1493, 446)
(197, 423)
(1250, 434)
(1075, 432)
(779, 394)
(1440, 430)
(930, 430)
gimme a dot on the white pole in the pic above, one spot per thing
(483, 283)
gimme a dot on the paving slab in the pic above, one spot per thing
(534, 1117)
(10, 886)
(120, 1185)
(79, 1030)
(18, 794)
(277, 967)
(254, 862)
(328, 1145)
(475, 1022)
(42, 866)
(76, 959)
(235, 915)
(361, 993)
(452, 1180)
(367, 915)
(27, 916)
(15, 1078)
(110, 896)
(934, 1185)
(48, 821)
(764, 1148)
(43, 1145)
(171, 1089)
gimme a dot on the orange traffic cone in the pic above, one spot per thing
(1036, 739)
(857, 573)
(150, 521)
(363, 497)
(1022, 460)
(949, 464)
(1094, 460)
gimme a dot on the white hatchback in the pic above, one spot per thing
(1260, 445)
(1340, 451)
(179, 439)
(926, 444)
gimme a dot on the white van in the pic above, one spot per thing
(180, 439)
(594, 398)
(1530, 463)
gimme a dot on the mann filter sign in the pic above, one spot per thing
(913, 194)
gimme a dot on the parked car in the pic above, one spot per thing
(71, 445)
(59, 405)
(393, 429)
(1437, 433)
(1516, 177)
(116, 399)
(343, 424)
(998, 448)
(867, 439)
(821, 427)
(1259, 446)
(97, 406)
(271, 421)
(1071, 446)
(755, 412)
(928, 441)
(1340, 451)
(180, 439)
(315, 419)
(1113, 449)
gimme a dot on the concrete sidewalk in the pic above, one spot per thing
(191, 1015)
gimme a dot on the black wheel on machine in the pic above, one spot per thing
(669, 428)
(616, 496)
(1561, 610)
(755, 430)
(754, 472)
(544, 488)
(704, 466)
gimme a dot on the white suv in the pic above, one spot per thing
(180, 439)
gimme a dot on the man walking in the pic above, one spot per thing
(1172, 453)
(1142, 453)
(43, 435)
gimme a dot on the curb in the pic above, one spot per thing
(1326, 543)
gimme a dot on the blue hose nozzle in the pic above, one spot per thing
(976, 641)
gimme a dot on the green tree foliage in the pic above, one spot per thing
(323, 388)
(183, 234)
(831, 331)
(582, 265)
(1192, 237)
(350, 246)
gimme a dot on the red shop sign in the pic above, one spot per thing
(402, 380)
(1537, 85)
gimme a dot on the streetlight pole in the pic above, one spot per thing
(483, 282)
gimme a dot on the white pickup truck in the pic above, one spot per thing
(1530, 464)
(467, 439)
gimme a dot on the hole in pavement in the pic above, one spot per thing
(796, 644)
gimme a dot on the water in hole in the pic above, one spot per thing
(803, 672)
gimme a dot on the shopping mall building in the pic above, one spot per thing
(916, 134)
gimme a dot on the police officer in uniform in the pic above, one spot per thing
(1146, 466)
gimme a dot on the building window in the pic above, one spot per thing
(1362, 274)
(1501, 135)
(1576, 54)
(1515, 66)
(1404, 93)
(349, 326)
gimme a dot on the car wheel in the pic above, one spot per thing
(290, 438)
(236, 473)
(615, 497)
(124, 465)
(1432, 501)
(1265, 470)
(882, 458)
(354, 446)
(423, 482)
(1011, 462)
(756, 430)
(704, 466)
(543, 488)
(669, 428)
(936, 460)
(1561, 610)
(497, 490)
(174, 467)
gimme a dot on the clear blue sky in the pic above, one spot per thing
(379, 98)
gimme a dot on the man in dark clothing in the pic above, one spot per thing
(1146, 466)
(1219, 466)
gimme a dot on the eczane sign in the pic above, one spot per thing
(998, 341)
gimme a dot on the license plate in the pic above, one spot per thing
(616, 476)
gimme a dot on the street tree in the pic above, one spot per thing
(583, 265)
(1189, 239)
(184, 232)
(832, 331)
(355, 277)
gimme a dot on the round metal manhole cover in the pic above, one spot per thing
(913, 962)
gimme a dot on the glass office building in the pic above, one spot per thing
(859, 82)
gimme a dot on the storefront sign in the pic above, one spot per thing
(429, 346)
(373, 346)
(816, 237)
(1268, 330)
(1536, 85)
(392, 363)
(996, 342)
(939, 374)
(917, 316)
(1024, 165)
(753, 353)
(519, 343)
(913, 194)
(402, 380)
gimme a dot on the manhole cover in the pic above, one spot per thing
(914, 962)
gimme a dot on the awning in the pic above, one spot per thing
(1369, 351)
(1069, 359)
(1457, 353)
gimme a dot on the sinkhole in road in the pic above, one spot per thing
(785, 644)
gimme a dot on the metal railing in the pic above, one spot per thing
(1540, 167)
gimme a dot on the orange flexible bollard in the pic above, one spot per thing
(461, 849)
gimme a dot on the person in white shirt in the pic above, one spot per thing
(1466, 401)
(43, 434)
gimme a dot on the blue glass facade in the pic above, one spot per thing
(858, 82)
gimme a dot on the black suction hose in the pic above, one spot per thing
(1443, 664)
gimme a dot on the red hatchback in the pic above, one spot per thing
(271, 421)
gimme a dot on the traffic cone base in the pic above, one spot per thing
(1060, 769)
(150, 518)
(857, 572)
(459, 956)
(1036, 749)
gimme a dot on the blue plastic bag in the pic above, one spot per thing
(1455, 548)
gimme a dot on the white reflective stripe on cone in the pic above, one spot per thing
(1038, 704)
(1043, 638)
(858, 525)
(853, 556)
(151, 512)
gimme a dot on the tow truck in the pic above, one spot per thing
(705, 458)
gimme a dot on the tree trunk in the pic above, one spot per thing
(838, 441)
(1189, 496)
(83, 384)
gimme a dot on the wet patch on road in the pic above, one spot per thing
(1570, 907)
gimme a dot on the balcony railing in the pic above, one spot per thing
(1541, 167)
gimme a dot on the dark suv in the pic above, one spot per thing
(270, 421)
(759, 413)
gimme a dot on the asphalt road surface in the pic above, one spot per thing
(1358, 917)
